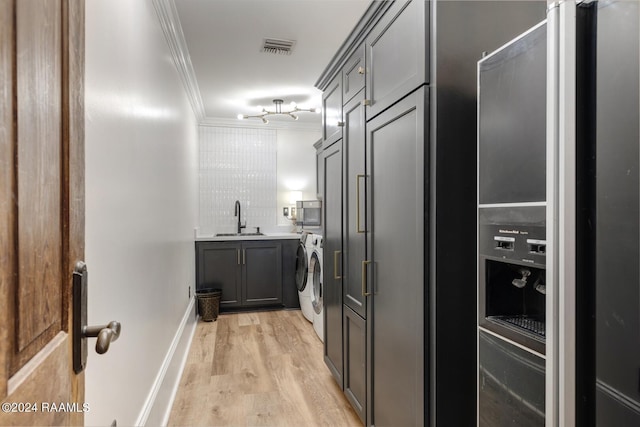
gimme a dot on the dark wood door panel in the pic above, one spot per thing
(41, 202)
(38, 174)
(7, 155)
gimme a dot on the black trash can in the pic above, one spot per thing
(208, 303)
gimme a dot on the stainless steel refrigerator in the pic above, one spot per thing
(607, 213)
(590, 355)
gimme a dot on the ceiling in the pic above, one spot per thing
(234, 76)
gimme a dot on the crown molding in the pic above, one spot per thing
(172, 29)
(256, 124)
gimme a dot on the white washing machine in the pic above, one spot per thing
(303, 275)
(316, 267)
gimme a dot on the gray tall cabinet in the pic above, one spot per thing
(374, 204)
(400, 255)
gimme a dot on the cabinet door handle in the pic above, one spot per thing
(335, 265)
(358, 228)
(361, 70)
(244, 256)
(238, 253)
(364, 278)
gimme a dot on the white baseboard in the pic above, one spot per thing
(157, 407)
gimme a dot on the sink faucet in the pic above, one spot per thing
(237, 213)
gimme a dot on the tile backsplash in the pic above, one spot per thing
(237, 164)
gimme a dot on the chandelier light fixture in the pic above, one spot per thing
(278, 111)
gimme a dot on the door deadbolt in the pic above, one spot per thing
(105, 334)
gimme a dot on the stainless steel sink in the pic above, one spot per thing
(238, 234)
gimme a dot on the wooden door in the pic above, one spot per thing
(41, 208)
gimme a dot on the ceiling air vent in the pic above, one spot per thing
(279, 46)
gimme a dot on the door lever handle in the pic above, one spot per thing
(106, 335)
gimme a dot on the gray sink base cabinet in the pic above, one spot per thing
(249, 273)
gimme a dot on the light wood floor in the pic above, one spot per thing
(259, 369)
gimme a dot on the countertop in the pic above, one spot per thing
(267, 236)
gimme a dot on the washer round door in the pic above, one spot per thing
(316, 272)
(302, 267)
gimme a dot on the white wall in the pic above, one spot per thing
(141, 205)
(228, 159)
(237, 164)
(296, 168)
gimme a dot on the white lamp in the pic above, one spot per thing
(294, 196)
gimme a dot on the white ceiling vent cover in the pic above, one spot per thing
(278, 46)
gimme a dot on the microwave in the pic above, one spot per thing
(309, 213)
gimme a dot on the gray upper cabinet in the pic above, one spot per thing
(397, 53)
(332, 112)
(354, 222)
(353, 75)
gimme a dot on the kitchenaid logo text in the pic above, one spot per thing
(524, 233)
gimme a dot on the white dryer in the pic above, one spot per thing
(316, 268)
(303, 275)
